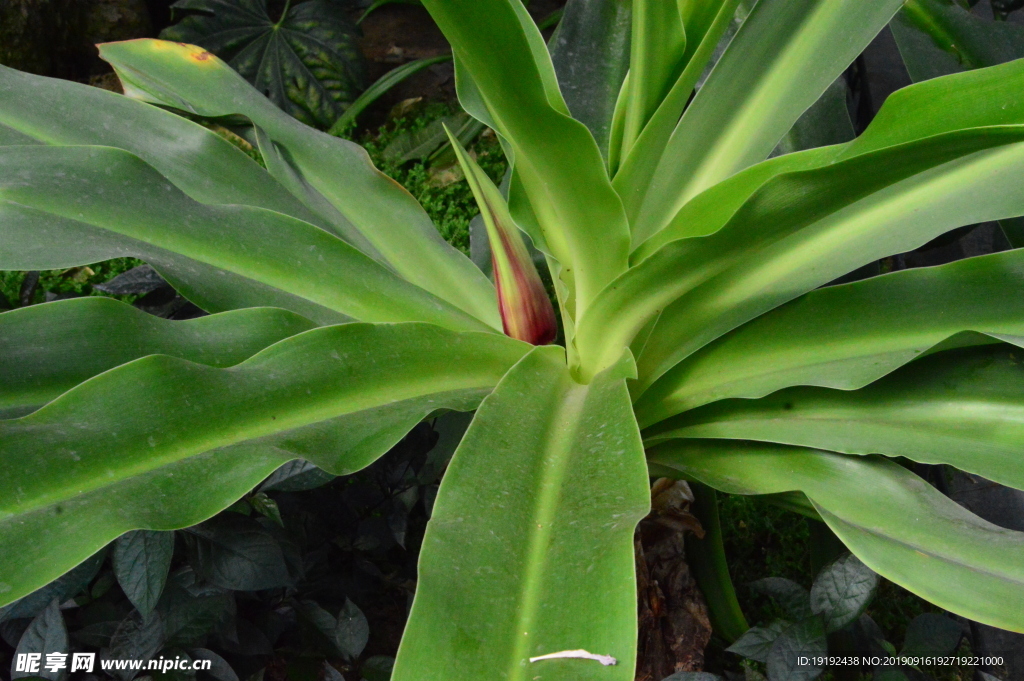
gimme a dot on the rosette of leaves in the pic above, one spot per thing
(307, 61)
(700, 339)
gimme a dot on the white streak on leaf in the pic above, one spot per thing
(606, 660)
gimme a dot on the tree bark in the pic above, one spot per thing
(674, 625)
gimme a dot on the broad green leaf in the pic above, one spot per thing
(46, 634)
(142, 561)
(380, 87)
(95, 203)
(196, 160)
(962, 407)
(936, 37)
(657, 58)
(842, 591)
(190, 79)
(556, 158)
(307, 62)
(590, 53)
(783, 58)
(850, 335)
(777, 265)
(49, 349)
(770, 251)
(896, 523)
(543, 561)
(792, 654)
(162, 443)
(987, 97)
(136, 638)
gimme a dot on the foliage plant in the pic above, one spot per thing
(689, 272)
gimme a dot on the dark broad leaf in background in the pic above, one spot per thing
(136, 281)
(842, 591)
(296, 476)
(307, 63)
(63, 588)
(352, 631)
(931, 635)
(236, 552)
(693, 676)
(756, 643)
(136, 638)
(804, 639)
(142, 560)
(189, 611)
(46, 634)
(790, 596)
(219, 668)
(378, 668)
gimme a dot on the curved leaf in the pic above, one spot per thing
(896, 523)
(771, 250)
(542, 562)
(784, 56)
(308, 62)
(340, 172)
(848, 336)
(65, 206)
(162, 443)
(556, 158)
(962, 407)
(198, 161)
(590, 54)
(48, 349)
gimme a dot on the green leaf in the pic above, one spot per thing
(142, 561)
(706, 22)
(657, 58)
(827, 122)
(769, 252)
(896, 523)
(380, 87)
(296, 476)
(805, 639)
(791, 597)
(962, 407)
(937, 37)
(46, 634)
(847, 336)
(544, 562)
(266, 507)
(932, 634)
(308, 63)
(188, 611)
(842, 591)
(783, 58)
(326, 168)
(757, 641)
(198, 161)
(49, 349)
(590, 53)
(161, 443)
(95, 203)
(353, 631)
(235, 552)
(556, 158)
(378, 668)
